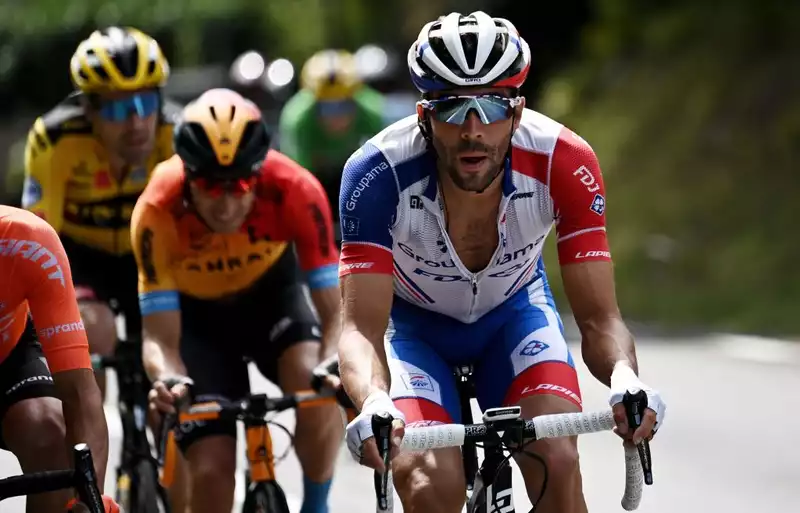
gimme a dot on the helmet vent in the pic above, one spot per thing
(233, 112)
(213, 113)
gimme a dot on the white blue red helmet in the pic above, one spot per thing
(475, 50)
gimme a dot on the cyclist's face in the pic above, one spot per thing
(223, 212)
(126, 124)
(472, 152)
(336, 116)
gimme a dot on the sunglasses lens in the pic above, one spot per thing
(216, 188)
(489, 108)
(141, 104)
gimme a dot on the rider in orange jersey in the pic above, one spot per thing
(38, 304)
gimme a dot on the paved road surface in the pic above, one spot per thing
(727, 444)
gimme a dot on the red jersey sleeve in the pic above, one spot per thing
(52, 301)
(312, 221)
(579, 201)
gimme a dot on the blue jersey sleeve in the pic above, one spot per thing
(367, 205)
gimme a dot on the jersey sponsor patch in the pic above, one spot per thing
(31, 192)
(323, 236)
(146, 252)
(35, 252)
(418, 381)
(69, 327)
(533, 348)
(350, 225)
(598, 204)
(587, 178)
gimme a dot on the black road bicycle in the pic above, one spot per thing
(82, 478)
(138, 489)
(503, 430)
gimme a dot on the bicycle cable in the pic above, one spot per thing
(291, 441)
(506, 461)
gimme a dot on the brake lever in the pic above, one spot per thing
(635, 406)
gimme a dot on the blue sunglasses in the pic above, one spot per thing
(335, 108)
(141, 104)
(490, 108)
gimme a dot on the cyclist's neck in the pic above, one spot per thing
(473, 201)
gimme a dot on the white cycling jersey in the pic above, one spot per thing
(392, 217)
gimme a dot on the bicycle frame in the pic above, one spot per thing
(488, 481)
(263, 492)
(132, 387)
(82, 478)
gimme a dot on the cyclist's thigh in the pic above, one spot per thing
(23, 375)
(278, 332)
(423, 385)
(530, 355)
(214, 362)
(424, 389)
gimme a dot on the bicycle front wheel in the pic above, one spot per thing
(138, 490)
(265, 497)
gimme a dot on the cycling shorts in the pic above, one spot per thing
(516, 350)
(24, 374)
(218, 338)
(101, 276)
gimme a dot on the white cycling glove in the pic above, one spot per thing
(623, 379)
(360, 429)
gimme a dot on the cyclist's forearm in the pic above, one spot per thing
(161, 360)
(362, 365)
(331, 332)
(606, 344)
(84, 417)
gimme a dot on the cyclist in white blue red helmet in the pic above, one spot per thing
(444, 216)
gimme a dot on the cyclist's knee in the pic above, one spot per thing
(212, 462)
(430, 482)
(560, 454)
(34, 431)
(100, 324)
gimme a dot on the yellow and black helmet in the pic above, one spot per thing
(221, 135)
(118, 59)
(332, 75)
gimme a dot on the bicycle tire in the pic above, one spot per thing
(265, 497)
(138, 490)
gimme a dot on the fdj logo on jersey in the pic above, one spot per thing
(445, 278)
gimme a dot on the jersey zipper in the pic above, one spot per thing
(473, 277)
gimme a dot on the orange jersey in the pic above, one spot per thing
(177, 253)
(35, 276)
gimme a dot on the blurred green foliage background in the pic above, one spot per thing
(693, 108)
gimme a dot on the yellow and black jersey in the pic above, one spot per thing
(68, 180)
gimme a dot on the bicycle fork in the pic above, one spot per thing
(263, 494)
(261, 464)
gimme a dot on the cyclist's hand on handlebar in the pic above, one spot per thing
(360, 438)
(623, 379)
(165, 393)
(327, 372)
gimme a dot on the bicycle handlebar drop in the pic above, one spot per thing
(638, 464)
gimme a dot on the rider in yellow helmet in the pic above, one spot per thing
(86, 162)
(332, 115)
